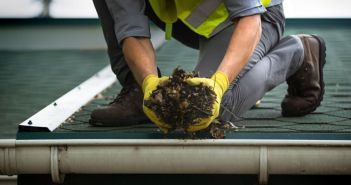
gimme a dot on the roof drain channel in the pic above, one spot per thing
(263, 173)
(56, 176)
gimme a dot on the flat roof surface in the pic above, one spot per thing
(55, 75)
(30, 80)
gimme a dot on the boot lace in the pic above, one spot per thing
(121, 95)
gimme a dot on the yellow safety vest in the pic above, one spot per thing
(203, 17)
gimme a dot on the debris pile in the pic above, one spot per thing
(179, 104)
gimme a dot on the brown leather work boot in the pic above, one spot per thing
(125, 110)
(306, 86)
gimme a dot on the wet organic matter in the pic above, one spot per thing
(179, 104)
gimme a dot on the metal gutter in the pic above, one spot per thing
(159, 156)
(8, 180)
(175, 142)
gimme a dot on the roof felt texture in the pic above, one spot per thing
(30, 80)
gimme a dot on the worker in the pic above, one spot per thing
(242, 55)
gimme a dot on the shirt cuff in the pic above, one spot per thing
(241, 8)
(248, 12)
(132, 26)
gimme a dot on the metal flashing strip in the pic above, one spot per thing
(53, 115)
(49, 118)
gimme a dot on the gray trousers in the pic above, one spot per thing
(273, 61)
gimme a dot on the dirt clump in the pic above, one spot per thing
(179, 104)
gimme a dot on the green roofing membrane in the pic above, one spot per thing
(30, 80)
(36, 85)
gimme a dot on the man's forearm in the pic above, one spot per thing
(242, 44)
(140, 56)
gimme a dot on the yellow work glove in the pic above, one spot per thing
(219, 83)
(150, 84)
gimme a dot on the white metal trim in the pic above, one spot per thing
(57, 112)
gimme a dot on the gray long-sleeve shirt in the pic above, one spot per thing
(130, 20)
(241, 8)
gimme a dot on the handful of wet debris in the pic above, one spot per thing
(179, 104)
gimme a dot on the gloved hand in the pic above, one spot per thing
(219, 83)
(150, 84)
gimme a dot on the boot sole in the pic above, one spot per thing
(322, 61)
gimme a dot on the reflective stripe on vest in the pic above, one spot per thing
(204, 17)
(202, 12)
(208, 17)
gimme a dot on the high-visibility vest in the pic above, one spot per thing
(204, 17)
